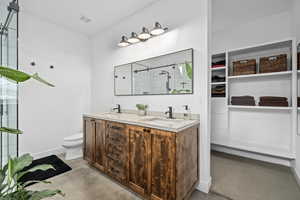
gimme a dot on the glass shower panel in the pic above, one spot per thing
(8, 89)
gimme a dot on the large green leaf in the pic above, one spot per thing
(38, 195)
(20, 76)
(10, 130)
(31, 182)
(44, 167)
(13, 74)
(21, 162)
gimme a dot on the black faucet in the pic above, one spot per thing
(118, 108)
(170, 112)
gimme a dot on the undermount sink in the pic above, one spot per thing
(167, 122)
(154, 120)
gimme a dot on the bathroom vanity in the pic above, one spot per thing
(154, 157)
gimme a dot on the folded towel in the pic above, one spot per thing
(242, 98)
(280, 104)
(272, 98)
(243, 102)
(221, 62)
(218, 78)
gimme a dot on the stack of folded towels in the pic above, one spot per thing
(218, 91)
(273, 101)
(243, 100)
(218, 78)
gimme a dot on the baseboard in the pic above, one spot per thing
(47, 153)
(204, 186)
(251, 155)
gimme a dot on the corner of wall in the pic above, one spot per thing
(296, 172)
(204, 186)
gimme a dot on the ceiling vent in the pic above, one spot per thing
(85, 19)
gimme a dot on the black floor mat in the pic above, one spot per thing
(58, 164)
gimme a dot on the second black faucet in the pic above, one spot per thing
(170, 112)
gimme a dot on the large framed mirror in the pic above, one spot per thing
(170, 74)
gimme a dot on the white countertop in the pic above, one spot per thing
(172, 125)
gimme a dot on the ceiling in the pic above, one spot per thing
(229, 13)
(67, 13)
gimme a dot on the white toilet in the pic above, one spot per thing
(73, 146)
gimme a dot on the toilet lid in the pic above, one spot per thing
(74, 137)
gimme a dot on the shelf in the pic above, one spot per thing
(218, 68)
(261, 75)
(260, 107)
(218, 83)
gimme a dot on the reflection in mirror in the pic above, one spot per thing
(167, 74)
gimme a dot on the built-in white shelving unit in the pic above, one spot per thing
(219, 83)
(260, 107)
(268, 130)
(218, 68)
(284, 73)
(219, 71)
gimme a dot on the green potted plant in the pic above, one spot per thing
(142, 109)
(11, 188)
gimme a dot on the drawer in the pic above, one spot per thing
(116, 169)
(117, 127)
(115, 155)
(116, 138)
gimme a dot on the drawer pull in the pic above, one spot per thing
(146, 130)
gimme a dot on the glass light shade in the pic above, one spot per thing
(124, 42)
(134, 38)
(157, 29)
(144, 35)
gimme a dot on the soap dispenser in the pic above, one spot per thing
(187, 115)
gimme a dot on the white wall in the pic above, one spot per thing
(47, 115)
(262, 30)
(193, 34)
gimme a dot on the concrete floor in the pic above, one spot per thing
(86, 183)
(246, 179)
(234, 178)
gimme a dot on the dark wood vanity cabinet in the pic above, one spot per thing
(100, 157)
(158, 165)
(139, 159)
(163, 181)
(89, 140)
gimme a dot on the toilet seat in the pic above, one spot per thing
(74, 137)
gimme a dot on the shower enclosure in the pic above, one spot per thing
(8, 89)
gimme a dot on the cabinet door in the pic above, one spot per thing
(100, 145)
(117, 151)
(139, 159)
(89, 140)
(163, 165)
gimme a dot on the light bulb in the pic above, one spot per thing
(134, 38)
(124, 42)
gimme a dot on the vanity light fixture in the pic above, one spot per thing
(158, 29)
(124, 42)
(134, 38)
(144, 35)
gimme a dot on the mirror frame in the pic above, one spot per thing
(117, 66)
